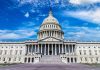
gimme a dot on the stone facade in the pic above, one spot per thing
(50, 42)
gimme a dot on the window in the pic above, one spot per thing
(84, 52)
(5, 52)
(19, 59)
(20, 52)
(95, 52)
(89, 52)
(0, 52)
(97, 59)
(80, 52)
(54, 26)
(85, 59)
(9, 59)
(10, 52)
(81, 58)
(91, 59)
(15, 52)
(14, 59)
(3, 59)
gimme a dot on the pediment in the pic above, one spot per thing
(50, 39)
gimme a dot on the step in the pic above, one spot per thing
(50, 59)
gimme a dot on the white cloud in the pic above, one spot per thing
(90, 15)
(27, 30)
(26, 1)
(57, 1)
(82, 33)
(83, 1)
(16, 34)
(27, 15)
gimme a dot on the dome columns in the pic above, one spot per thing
(50, 33)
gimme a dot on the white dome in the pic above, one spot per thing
(50, 28)
(50, 23)
(50, 19)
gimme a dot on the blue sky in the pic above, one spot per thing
(20, 19)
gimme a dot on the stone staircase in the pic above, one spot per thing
(50, 59)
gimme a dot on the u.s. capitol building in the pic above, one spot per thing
(50, 45)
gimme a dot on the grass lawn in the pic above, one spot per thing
(2, 65)
(93, 65)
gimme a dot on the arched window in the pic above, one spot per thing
(28, 59)
(72, 60)
(68, 60)
(32, 59)
(25, 60)
(75, 59)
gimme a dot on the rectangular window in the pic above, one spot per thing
(16, 52)
(10, 52)
(9, 59)
(3, 59)
(20, 52)
(80, 52)
(0, 52)
(84, 52)
(5, 52)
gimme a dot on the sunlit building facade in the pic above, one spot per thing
(50, 42)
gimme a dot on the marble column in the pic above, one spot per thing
(68, 49)
(62, 48)
(55, 49)
(48, 49)
(35, 48)
(45, 50)
(52, 49)
(72, 49)
(28, 48)
(41, 49)
(59, 48)
(65, 49)
(31, 49)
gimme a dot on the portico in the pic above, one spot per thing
(50, 48)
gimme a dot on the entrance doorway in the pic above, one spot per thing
(50, 52)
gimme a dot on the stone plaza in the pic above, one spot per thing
(49, 67)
